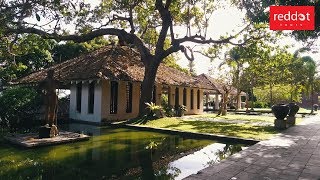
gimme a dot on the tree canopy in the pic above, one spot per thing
(147, 25)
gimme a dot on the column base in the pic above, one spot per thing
(280, 124)
(291, 121)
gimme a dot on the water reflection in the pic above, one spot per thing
(112, 154)
(201, 159)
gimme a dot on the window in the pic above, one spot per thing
(185, 96)
(91, 97)
(198, 99)
(78, 97)
(129, 97)
(114, 97)
(191, 99)
(176, 98)
(154, 94)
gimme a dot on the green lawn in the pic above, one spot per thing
(301, 110)
(230, 116)
(243, 130)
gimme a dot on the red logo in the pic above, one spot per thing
(292, 18)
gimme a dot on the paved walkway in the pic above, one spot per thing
(294, 154)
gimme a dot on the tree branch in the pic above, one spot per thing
(122, 34)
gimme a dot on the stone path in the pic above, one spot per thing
(294, 154)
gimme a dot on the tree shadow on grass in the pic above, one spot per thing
(228, 129)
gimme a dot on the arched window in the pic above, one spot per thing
(78, 97)
(176, 97)
(185, 96)
(191, 99)
(91, 97)
(129, 97)
(114, 97)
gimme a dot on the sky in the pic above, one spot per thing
(225, 21)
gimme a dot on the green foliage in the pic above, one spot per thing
(171, 61)
(69, 50)
(153, 107)
(18, 108)
(168, 109)
(281, 93)
(260, 104)
(29, 53)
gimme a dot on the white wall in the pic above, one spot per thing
(84, 115)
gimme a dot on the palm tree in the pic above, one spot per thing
(309, 67)
(234, 61)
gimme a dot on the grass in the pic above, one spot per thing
(239, 117)
(242, 130)
(301, 110)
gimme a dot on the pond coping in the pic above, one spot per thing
(32, 140)
(188, 134)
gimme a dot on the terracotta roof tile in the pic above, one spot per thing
(114, 63)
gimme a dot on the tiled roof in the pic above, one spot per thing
(114, 63)
(215, 85)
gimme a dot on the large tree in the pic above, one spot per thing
(149, 26)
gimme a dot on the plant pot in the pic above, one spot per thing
(180, 113)
(280, 111)
(158, 113)
(294, 108)
(315, 107)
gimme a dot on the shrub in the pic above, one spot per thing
(169, 110)
(155, 110)
(19, 108)
(260, 104)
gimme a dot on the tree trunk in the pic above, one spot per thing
(147, 86)
(312, 101)
(271, 97)
(237, 86)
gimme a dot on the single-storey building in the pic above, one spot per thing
(217, 91)
(105, 85)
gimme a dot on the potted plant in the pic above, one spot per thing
(180, 110)
(291, 119)
(280, 111)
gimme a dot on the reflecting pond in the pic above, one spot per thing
(114, 154)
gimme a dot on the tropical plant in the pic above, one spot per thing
(180, 110)
(155, 110)
(19, 108)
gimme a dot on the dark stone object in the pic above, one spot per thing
(48, 132)
(280, 124)
(291, 121)
(294, 108)
(315, 107)
(280, 111)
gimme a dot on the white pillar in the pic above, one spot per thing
(207, 100)
(239, 102)
(216, 102)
